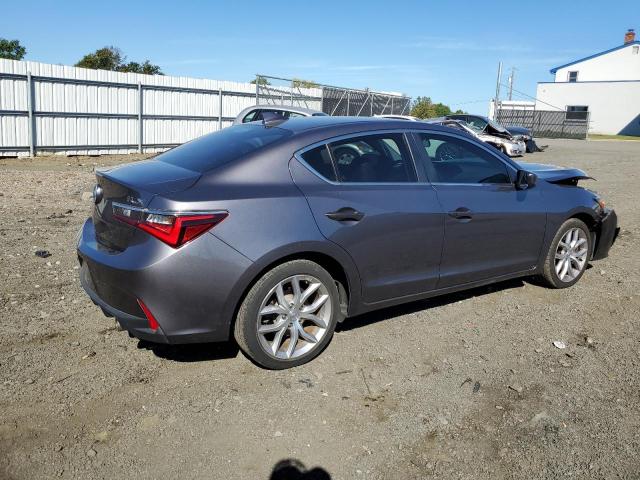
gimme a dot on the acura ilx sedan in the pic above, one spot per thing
(270, 233)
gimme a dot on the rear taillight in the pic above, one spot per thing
(174, 229)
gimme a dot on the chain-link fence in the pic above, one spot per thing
(345, 101)
(328, 99)
(546, 123)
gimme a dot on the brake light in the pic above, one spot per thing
(173, 229)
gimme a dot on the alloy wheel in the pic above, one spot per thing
(571, 254)
(294, 317)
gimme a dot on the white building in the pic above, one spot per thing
(606, 85)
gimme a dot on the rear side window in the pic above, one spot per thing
(319, 159)
(454, 160)
(215, 149)
(382, 158)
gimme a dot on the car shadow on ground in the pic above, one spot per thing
(193, 352)
(204, 352)
(439, 301)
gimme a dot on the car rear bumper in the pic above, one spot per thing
(137, 326)
(607, 234)
(186, 289)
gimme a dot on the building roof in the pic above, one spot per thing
(555, 69)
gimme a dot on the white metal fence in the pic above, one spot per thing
(56, 108)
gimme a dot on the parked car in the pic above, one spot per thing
(258, 233)
(507, 145)
(398, 117)
(259, 112)
(492, 127)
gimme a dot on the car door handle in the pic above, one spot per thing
(345, 214)
(461, 213)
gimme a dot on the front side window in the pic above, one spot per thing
(381, 158)
(573, 76)
(455, 160)
(252, 116)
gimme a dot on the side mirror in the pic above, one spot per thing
(525, 180)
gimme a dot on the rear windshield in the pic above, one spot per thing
(215, 149)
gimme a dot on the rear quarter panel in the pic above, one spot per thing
(269, 218)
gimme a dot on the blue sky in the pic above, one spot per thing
(448, 50)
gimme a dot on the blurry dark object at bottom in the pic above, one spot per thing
(291, 469)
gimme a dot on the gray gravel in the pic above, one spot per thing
(463, 386)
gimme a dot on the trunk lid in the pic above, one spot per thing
(133, 184)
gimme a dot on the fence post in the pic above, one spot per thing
(348, 101)
(392, 106)
(371, 105)
(220, 108)
(533, 122)
(257, 89)
(140, 124)
(30, 109)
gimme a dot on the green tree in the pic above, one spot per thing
(423, 107)
(107, 58)
(146, 67)
(260, 81)
(111, 58)
(300, 83)
(12, 49)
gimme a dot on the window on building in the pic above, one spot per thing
(635, 49)
(573, 76)
(577, 112)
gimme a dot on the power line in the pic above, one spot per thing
(469, 102)
(535, 99)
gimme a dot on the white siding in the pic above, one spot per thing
(123, 100)
(620, 64)
(614, 107)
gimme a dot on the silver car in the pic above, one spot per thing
(258, 112)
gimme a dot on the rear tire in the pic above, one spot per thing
(288, 317)
(568, 255)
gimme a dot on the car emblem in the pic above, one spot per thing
(97, 194)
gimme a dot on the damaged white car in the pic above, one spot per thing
(505, 143)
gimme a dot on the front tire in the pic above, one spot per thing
(289, 315)
(568, 254)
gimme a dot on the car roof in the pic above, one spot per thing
(337, 125)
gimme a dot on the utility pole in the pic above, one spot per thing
(496, 99)
(511, 77)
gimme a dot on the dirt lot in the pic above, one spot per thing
(463, 386)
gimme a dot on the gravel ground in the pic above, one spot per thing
(463, 386)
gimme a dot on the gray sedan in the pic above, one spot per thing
(266, 234)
